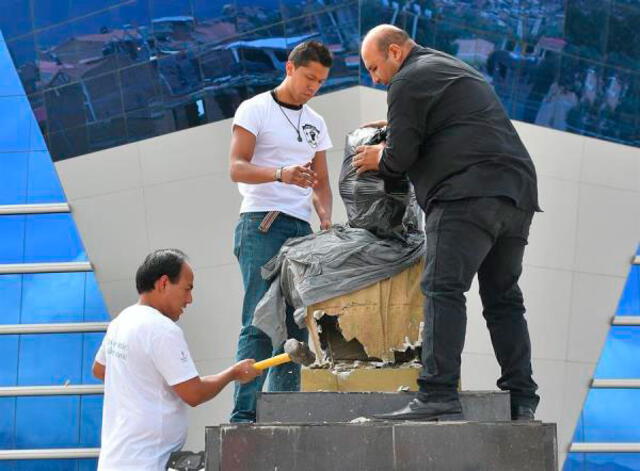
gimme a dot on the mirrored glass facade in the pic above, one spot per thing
(611, 415)
(27, 175)
(101, 73)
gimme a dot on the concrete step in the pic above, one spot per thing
(315, 407)
(383, 446)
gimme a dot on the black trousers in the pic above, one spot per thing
(484, 236)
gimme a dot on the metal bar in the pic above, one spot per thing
(625, 320)
(583, 447)
(63, 327)
(636, 260)
(43, 208)
(61, 267)
(50, 453)
(616, 383)
(69, 390)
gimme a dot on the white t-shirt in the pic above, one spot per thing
(143, 419)
(277, 145)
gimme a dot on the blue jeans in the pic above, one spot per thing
(253, 249)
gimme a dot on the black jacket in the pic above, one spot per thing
(449, 132)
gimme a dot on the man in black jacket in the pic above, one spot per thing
(477, 185)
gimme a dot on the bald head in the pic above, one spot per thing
(384, 49)
(383, 36)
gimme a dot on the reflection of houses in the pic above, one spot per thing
(474, 51)
(264, 55)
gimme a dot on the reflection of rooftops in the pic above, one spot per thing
(552, 44)
(270, 43)
(172, 19)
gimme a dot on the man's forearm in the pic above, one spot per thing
(210, 386)
(246, 172)
(323, 202)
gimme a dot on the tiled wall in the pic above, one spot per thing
(101, 73)
(27, 175)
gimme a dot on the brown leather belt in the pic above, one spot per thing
(267, 221)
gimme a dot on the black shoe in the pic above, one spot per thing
(522, 413)
(425, 411)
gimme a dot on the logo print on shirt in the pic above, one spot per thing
(312, 134)
(183, 356)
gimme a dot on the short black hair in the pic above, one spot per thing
(311, 51)
(158, 263)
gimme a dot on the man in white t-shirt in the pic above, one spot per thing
(148, 372)
(278, 159)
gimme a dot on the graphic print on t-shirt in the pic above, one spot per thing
(312, 134)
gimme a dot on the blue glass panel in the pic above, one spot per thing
(141, 86)
(46, 12)
(9, 80)
(19, 22)
(629, 304)
(50, 359)
(12, 234)
(23, 52)
(36, 135)
(58, 55)
(10, 298)
(578, 434)
(148, 122)
(170, 8)
(95, 309)
(52, 238)
(44, 185)
(108, 133)
(103, 96)
(255, 15)
(15, 123)
(65, 108)
(574, 462)
(8, 360)
(8, 465)
(13, 177)
(47, 422)
(87, 465)
(7, 423)
(68, 143)
(216, 20)
(612, 415)
(611, 461)
(82, 7)
(91, 345)
(47, 465)
(586, 27)
(623, 37)
(620, 354)
(90, 421)
(52, 297)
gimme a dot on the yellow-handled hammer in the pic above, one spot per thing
(297, 352)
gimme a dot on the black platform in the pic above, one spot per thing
(312, 432)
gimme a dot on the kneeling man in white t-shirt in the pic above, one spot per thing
(148, 371)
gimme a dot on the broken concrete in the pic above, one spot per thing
(383, 318)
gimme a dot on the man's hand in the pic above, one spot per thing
(325, 224)
(374, 124)
(243, 371)
(300, 175)
(367, 158)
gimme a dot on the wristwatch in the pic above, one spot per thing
(279, 174)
